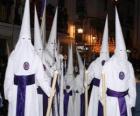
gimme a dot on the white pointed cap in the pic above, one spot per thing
(43, 27)
(25, 31)
(52, 38)
(104, 52)
(37, 36)
(80, 62)
(120, 49)
(70, 68)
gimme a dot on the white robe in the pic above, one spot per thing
(59, 59)
(47, 76)
(111, 71)
(94, 71)
(51, 66)
(24, 52)
(78, 86)
(70, 82)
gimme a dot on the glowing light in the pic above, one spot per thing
(80, 30)
(72, 31)
(94, 38)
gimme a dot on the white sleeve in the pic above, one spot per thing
(9, 79)
(132, 87)
(43, 83)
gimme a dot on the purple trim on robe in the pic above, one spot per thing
(82, 104)
(121, 100)
(95, 82)
(66, 101)
(45, 100)
(100, 109)
(22, 81)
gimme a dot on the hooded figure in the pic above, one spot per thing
(24, 71)
(43, 98)
(94, 71)
(60, 93)
(79, 89)
(68, 86)
(50, 58)
(50, 50)
(119, 78)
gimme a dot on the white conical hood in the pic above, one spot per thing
(70, 61)
(37, 36)
(120, 50)
(25, 31)
(24, 53)
(80, 63)
(69, 77)
(51, 45)
(104, 52)
(43, 26)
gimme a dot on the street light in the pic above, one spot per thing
(94, 38)
(72, 30)
(80, 30)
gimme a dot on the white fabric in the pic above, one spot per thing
(48, 71)
(94, 71)
(70, 68)
(37, 36)
(111, 70)
(39, 49)
(50, 50)
(104, 52)
(24, 52)
(119, 63)
(51, 45)
(69, 81)
(80, 63)
(69, 76)
(59, 67)
(61, 103)
(120, 49)
(31, 103)
(78, 86)
(40, 102)
(51, 53)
